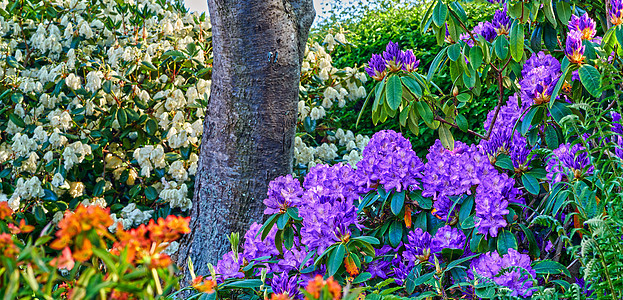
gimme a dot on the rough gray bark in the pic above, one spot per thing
(250, 122)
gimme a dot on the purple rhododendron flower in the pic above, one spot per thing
(492, 199)
(377, 67)
(492, 266)
(335, 182)
(281, 284)
(447, 237)
(568, 159)
(615, 13)
(393, 56)
(540, 75)
(254, 247)
(419, 245)
(229, 267)
(409, 61)
(389, 160)
(574, 49)
(501, 22)
(583, 24)
(442, 207)
(486, 30)
(283, 192)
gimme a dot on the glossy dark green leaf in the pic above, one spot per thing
(17, 120)
(445, 135)
(536, 38)
(309, 124)
(440, 13)
(398, 200)
(551, 137)
(151, 193)
(504, 161)
(506, 240)
(98, 190)
(49, 195)
(335, 259)
(394, 92)
(559, 110)
(424, 111)
(591, 79)
(395, 233)
(475, 56)
(501, 47)
(412, 85)
(454, 51)
(530, 183)
(434, 66)
(564, 11)
(461, 121)
(517, 41)
(533, 247)
(550, 37)
(527, 120)
(363, 277)
(550, 267)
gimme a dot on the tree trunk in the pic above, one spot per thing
(250, 121)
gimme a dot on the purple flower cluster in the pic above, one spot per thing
(500, 270)
(447, 237)
(501, 22)
(505, 140)
(617, 128)
(253, 245)
(583, 24)
(422, 245)
(566, 160)
(492, 198)
(389, 160)
(484, 29)
(229, 266)
(615, 13)
(327, 214)
(574, 49)
(391, 60)
(450, 173)
(540, 74)
(282, 284)
(283, 192)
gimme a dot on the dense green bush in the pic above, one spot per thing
(369, 27)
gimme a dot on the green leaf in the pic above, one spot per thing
(17, 98)
(506, 240)
(363, 277)
(530, 183)
(394, 92)
(454, 51)
(591, 79)
(398, 200)
(49, 195)
(450, 254)
(559, 84)
(475, 56)
(527, 120)
(335, 259)
(564, 11)
(423, 202)
(395, 233)
(98, 190)
(550, 37)
(517, 41)
(534, 250)
(618, 32)
(122, 117)
(440, 13)
(309, 124)
(150, 193)
(501, 47)
(550, 267)
(559, 110)
(107, 86)
(536, 38)
(424, 111)
(17, 120)
(151, 127)
(244, 284)
(447, 140)
(548, 8)
(461, 121)
(424, 278)
(412, 85)
(504, 161)
(551, 137)
(435, 64)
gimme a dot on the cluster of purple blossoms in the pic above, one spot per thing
(253, 245)
(391, 60)
(568, 159)
(333, 182)
(505, 140)
(615, 13)
(583, 24)
(283, 192)
(282, 284)
(442, 206)
(500, 270)
(419, 246)
(382, 267)
(422, 246)
(574, 49)
(229, 266)
(540, 74)
(389, 160)
(484, 29)
(617, 127)
(327, 215)
(501, 22)
(492, 198)
(450, 173)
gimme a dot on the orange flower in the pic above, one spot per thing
(5, 210)
(315, 286)
(7, 247)
(204, 285)
(350, 266)
(408, 215)
(280, 297)
(75, 227)
(169, 229)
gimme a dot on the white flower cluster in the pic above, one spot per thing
(327, 152)
(339, 85)
(94, 98)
